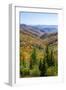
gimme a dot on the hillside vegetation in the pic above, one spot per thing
(38, 53)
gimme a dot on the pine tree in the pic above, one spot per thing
(47, 57)
(40, 65)
(43, 66)
(52, 63)
(33, 57)
(31, 64)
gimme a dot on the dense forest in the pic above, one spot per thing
(38, 55)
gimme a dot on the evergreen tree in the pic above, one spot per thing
(31, 64)
(43, 66)
(47, 57)
(33, 57)
(40, 65)
(52, 63)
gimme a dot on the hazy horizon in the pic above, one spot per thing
(37, 24)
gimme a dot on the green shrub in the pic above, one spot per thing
(24, 72)
(35, 72)
(51, 71)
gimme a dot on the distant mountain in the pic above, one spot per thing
(38, 34)
(39, 30)
(31, 30)
(49, 35)
(47, 28)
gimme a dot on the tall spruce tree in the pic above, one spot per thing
(43, 66)
(40, 65)
(33, 56)
(47, 57)
(52, 62)
(31, 64)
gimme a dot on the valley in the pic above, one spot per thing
(38, 50)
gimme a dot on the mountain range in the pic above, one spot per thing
(39, 30)
(47, 33)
